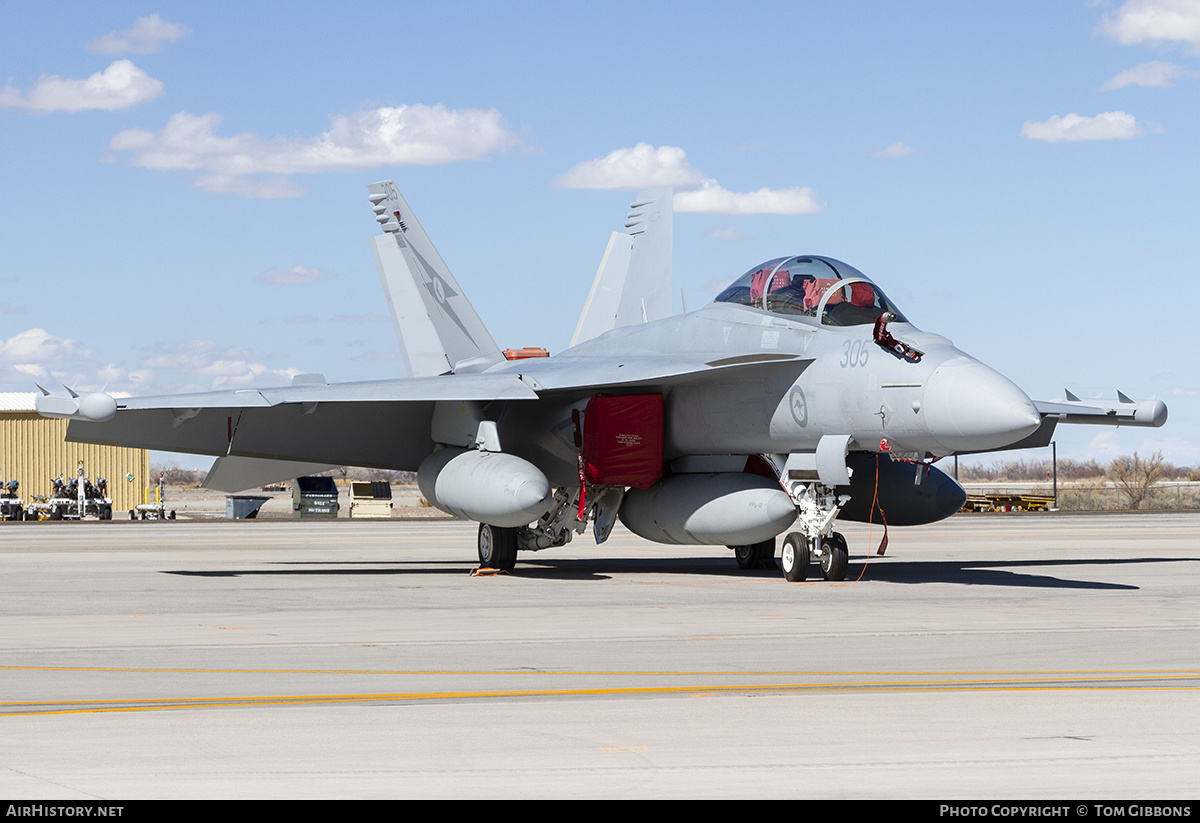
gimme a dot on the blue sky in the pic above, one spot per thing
(184, 185)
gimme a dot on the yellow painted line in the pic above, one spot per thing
(624, 673)
(1042, 684)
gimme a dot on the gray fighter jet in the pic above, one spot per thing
(801, 395)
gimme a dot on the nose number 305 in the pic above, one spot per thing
(854, 353)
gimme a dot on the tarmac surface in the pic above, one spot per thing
(988, 656)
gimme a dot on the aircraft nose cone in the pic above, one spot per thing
(970, 407)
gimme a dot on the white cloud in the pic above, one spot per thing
(120, 86)
(725, 231)
(644, 166)
(239, 374)
(388, 136)
(1156, 73)
(117, 377)
(225, 367)
(1154, 22)
(897, 149)
(145, 36)
(36, 354)
(713, 199)
(190, 355)
(1109, 125)
(40, 346)
(1104, 446)
(639, 167)
(296, 274)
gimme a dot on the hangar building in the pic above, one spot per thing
(33, 451)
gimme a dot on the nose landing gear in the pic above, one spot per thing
(799, 551)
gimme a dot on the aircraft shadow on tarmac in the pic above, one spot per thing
(1020, 573)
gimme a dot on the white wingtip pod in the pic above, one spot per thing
(94, 407)
(1100, 412)
(97, 407)
(1150, 413)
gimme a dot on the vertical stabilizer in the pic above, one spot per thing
(633, 283)
(604, 300)
(436, 325)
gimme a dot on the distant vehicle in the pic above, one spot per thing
(158, 509)
(801, 395)
(73, 499)
(11, 506)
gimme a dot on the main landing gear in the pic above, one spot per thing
(756, 555)
(497, 547)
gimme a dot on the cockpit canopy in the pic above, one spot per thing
(811, 286)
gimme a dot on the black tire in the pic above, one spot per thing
(497, 547)
(836, 557)
(766, 555)
(746, 556)
(56, 513)
(755, 555)
(795, 558)
(132, 514)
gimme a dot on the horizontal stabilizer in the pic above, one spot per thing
(235, 474)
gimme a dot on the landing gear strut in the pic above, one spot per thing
(818, 507)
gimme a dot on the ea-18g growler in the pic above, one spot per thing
(800, 396)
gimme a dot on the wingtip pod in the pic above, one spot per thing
(1124, 412)
(94, 407)
(1150, 413)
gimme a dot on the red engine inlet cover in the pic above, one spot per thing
(623, 440)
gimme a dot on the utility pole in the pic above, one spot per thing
(1054, 462)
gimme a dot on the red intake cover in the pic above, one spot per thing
(623, 440)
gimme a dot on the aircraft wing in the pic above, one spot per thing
(1097, 412)
(384, 424)
(277, 433)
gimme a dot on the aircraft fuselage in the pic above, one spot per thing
(787, 383)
